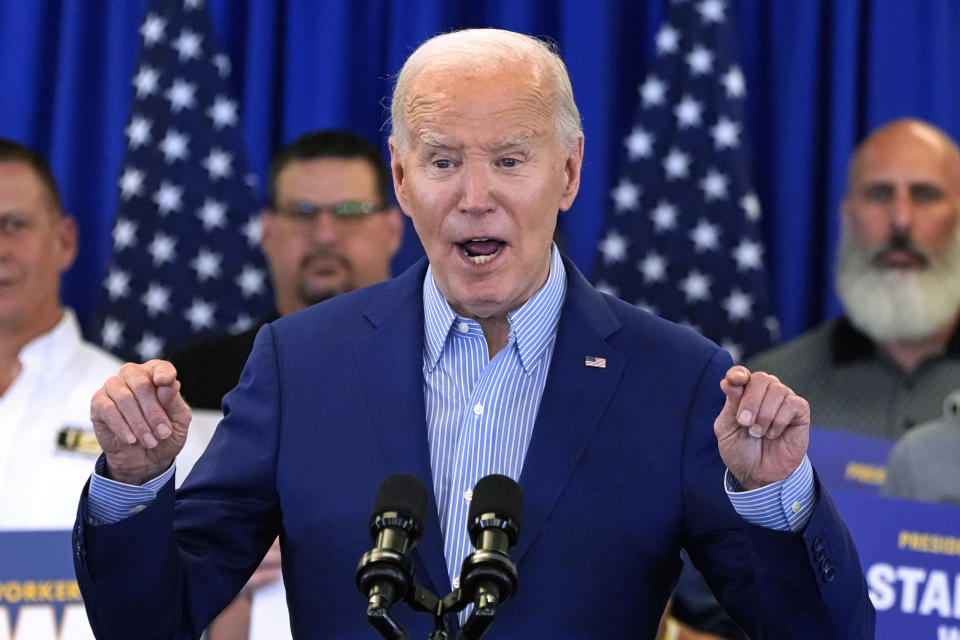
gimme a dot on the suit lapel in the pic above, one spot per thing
(390, 361)
(574, 398)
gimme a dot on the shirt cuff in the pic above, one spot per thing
(109, 501)
(783, 506)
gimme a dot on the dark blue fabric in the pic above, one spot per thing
(820, 74)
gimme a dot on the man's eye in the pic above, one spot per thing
(509, 162)
(878, 193)
(13, 224)
(926, 193)
(442, 164)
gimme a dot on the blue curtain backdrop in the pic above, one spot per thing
(820, 74)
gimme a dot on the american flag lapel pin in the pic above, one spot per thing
(596, 361)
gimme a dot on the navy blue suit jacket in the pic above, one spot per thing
(622, 471)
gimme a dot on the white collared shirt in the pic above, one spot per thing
(40, 482)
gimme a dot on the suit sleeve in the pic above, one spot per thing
(165, 572)
(774, 584)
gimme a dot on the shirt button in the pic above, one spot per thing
(468, 495)
(456, 582)
(478, 408)
(796, 507)
(463, 326)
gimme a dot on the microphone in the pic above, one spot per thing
(488, 576)
(385, 573)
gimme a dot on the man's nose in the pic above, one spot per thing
(324, 227)
(476, 184)
(902, 212)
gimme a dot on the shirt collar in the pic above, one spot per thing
(533, 325)
(849, 344)
(59, 342)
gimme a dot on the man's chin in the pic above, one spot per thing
(313, 295)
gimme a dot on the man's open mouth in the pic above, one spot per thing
(481, 250)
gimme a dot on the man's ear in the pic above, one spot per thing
(571, 172)
(397, 171)
(67, 243)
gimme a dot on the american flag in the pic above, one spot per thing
(186, 256)
(683, 237)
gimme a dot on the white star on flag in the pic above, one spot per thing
(152, 30)
(252, 231)
(206, 264)
(167, 198)
(131, 183)
(163, 248)
(117, 284)
(138, 132)
(613, 247)
(668, 40)
(734, 83)
(738, 305)
(251, 281)
(200, 315)
(218, 164)
(149, 347)
(182, 95)
(751, 206)
(188, 45)
(111, 334)
(712, 11)
(700, 61)
(748, 255)
(223, 112)
(147, 81)
(124, 235)
(725, 134)
(156, 299)
(676, 164)
(174, 146)
(213, 214)
(664, 216)
(714, 185)
(688, 112)
(705, 236)
(653, 91)
(639, 143)
(626, 195)
(696, 286)
(653, 267)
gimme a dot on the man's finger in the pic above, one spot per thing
(134, 393)
(104, 411)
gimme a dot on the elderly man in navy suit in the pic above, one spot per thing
(492, 355)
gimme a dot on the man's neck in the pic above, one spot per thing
(13, 339)
(496, 331)
(910, 354)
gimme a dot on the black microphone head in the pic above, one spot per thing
(499, 495)
(404, 493)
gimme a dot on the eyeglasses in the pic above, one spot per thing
(307, 213)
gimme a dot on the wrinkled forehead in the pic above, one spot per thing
(507, 105)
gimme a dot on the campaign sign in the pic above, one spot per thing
(39, 596)
(849, 461)
(910, 554)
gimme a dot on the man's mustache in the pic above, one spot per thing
(900, 242)
(324, 253)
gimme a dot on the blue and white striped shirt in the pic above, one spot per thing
(480, 411)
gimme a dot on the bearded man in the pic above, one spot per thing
(889, 362)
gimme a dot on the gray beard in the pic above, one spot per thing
(898, 305)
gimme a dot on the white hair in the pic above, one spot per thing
(475, 49)
(898, 305)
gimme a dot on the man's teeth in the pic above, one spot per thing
(483, 259)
